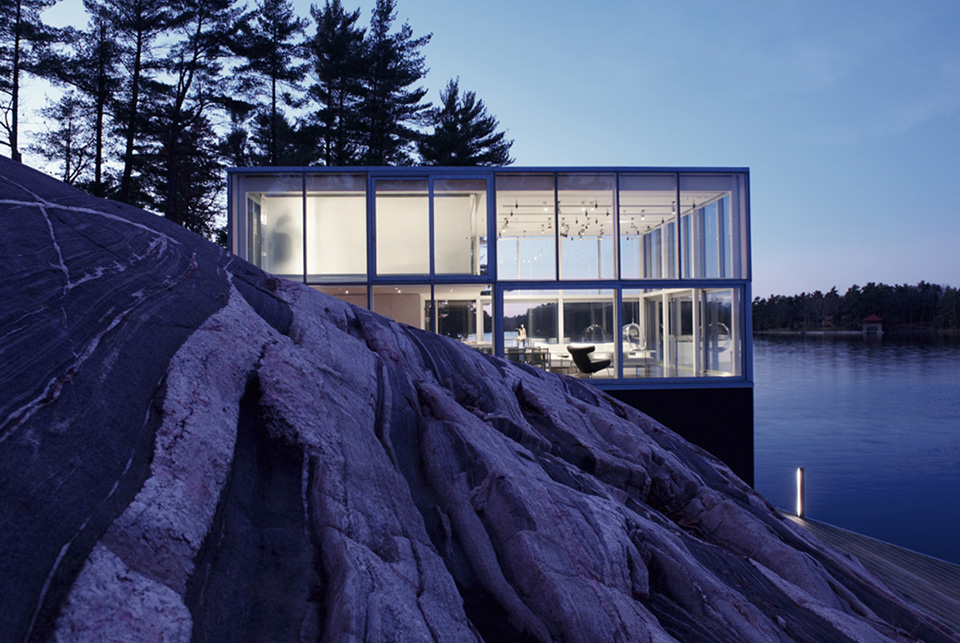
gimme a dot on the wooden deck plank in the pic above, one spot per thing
(931, 584)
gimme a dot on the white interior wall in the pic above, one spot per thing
(453, 234)
(336, 235)
(406, 308)
(403, 239)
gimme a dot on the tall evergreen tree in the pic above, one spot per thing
(392, 105)
(293, 147)
(338, 66)
(92, 70)
(137, 25)
(185, 149)
(235, 145)
(463, 133)
(269, 43)
(22, 36)
(67, 140)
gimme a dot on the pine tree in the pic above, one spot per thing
(92, 69)
(293, 148)
(183, 175)
(338, 66)
(463, 132)
(268, 41)
(67, 141)
(392, 106)
(22, 37)
(235, 146)
(137, 25)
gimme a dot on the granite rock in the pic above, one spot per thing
(193, 449)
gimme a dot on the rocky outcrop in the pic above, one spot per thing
(193, 449)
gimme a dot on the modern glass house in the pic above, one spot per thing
(637, 279)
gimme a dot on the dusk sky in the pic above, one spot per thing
(846, 113)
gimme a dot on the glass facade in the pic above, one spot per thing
(616, 275)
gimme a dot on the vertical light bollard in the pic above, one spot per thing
(800, 492)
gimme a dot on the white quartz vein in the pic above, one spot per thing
(54, 387)
(39, 203)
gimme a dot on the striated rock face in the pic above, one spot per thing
(192, 449)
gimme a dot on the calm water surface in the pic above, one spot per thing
(876, 428)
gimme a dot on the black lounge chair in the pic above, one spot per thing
(581, 357)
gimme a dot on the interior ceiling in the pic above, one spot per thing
(589, 213)
(441, 291)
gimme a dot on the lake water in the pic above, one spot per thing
(876, 427)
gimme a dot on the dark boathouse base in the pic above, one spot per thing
(719, 420)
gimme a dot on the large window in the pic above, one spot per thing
(541, 326)
(274, 231)
(648, 214)
(403, 227)
(721, 330)
(642, 333)
(465, 312)
(712, 211)
(585, 205)
(692, 332)
(526, 232)
(336, 227)
(460, 226)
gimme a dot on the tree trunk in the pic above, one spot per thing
(15, 92)
(131, 121)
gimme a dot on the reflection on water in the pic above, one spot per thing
(877, 429)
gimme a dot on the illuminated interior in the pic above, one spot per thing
(611, 275)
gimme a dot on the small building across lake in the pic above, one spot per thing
(873, 326)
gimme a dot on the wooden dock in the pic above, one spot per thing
(931, 584)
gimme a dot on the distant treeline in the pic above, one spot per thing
(904, 307)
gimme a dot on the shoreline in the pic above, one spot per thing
(894, 333)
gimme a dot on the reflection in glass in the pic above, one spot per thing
(274, 207)
(465, 313)
(460, 226)
(403, 227)
(526, 239)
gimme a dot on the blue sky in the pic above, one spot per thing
(847, 113)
